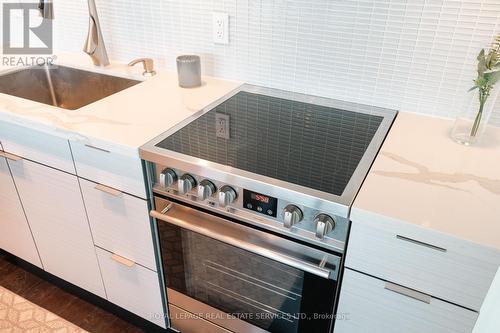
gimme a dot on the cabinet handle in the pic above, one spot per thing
(408, 292)
(108, 190)
(10, 156)
(97, 148)
(417, 242)
(121, 260)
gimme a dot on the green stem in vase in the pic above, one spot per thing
(477, 121)
(488, 74)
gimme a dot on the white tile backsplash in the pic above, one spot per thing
(411, 55)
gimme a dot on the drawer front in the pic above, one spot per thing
(444, 267)
(15, 234)
(132, 287)
(370, 305)
(54, 208)
(112, 169)
(37, 146)
(120, 223)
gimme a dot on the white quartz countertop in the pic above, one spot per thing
(127, 119)
(423, 177)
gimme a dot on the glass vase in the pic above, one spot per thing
(473, 117)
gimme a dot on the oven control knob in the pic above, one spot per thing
(227, 195)
(167, 177)
(206, 189)
(292, 215)
(186, 183)
(324, 224)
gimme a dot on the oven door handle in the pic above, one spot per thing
(205, 230)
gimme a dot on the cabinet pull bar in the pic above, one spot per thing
(408, 292)
(108, 190)
(97, 148)
(10, 156)
(414, 241)
(121, 260)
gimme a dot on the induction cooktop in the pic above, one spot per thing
(313, 146)
(298, 142)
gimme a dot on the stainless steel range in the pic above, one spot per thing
(252, 198)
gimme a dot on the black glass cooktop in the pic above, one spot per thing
(306, 144)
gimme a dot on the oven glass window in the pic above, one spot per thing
(260, 291)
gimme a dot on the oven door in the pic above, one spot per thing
(225, 276)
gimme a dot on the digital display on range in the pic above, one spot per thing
(260, 203)
(260, 198)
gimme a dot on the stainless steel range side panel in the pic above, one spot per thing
(334, 204)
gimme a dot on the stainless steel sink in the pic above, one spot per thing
(60, 86)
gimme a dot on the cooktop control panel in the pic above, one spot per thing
(260, 203)
(252, 207)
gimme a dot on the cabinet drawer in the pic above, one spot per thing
(132, 287)
(37, 146)
(113, 169)
(442, 266)
(370, 305)
(120, 223)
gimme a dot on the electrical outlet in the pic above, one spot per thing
(222, 125)
(221, 28)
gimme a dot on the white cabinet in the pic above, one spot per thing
(110, 168)
(370, 305)
(60, 203)
(15, 234)
(132, 287)
(119, 222)
(445, 267)
(54, 208)
(400, 277)
(37, 146)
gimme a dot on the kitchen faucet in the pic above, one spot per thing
(94, 45)
(46, 9)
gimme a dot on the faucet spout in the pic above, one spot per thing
(46, 9)
(94, 45)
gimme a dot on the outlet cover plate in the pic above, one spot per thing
(220, 28)
(222, 126)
